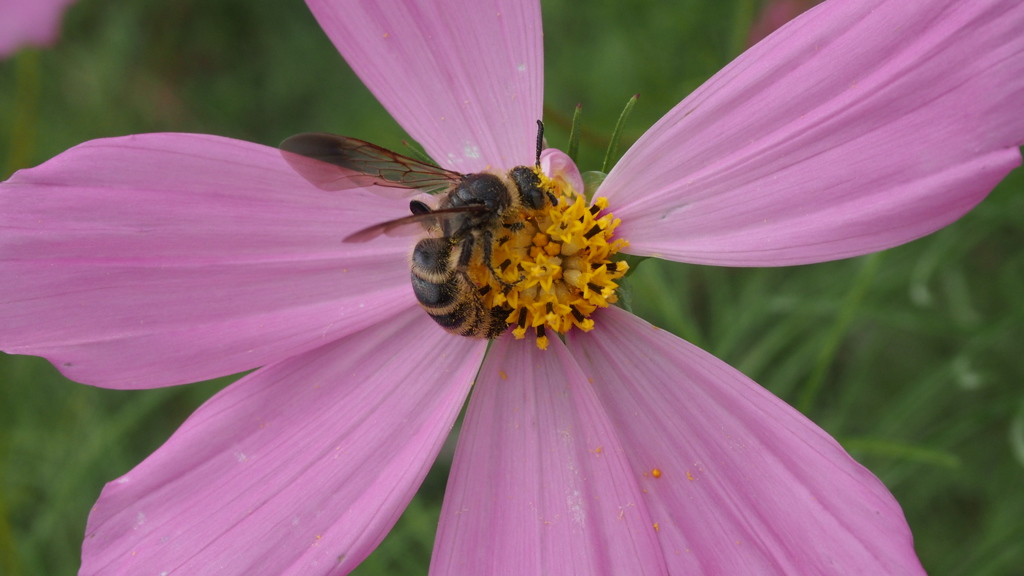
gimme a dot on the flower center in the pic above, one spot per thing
(554, 266)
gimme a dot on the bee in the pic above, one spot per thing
(472, 210)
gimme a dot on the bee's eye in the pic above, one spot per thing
(534, 198)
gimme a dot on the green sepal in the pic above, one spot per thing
(625, 294)
(591, 182)
(632, 260)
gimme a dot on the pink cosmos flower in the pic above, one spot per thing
(160, 259)
(29, 22)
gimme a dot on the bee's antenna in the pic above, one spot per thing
(540, 140)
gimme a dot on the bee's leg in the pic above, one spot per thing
(466, 252)
(488, 240)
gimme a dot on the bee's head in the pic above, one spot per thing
(526, 179)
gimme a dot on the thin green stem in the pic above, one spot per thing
(901, 451)
(25, 110)
(613, 146)
(574, 133)
(835, 336)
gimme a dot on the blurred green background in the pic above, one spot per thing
(912, 358)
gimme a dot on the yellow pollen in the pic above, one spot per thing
(554, 266)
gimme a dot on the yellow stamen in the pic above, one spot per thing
(560, 264)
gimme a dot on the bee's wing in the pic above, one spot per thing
(332, 162)
(412, 224)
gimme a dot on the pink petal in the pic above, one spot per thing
(464, 78)
(299, 468)
(859, 126)
(29, 22)
(559, 166)
(169, 258)
(745, 484)
(540, 483)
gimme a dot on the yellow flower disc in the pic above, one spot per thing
(555, 268)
